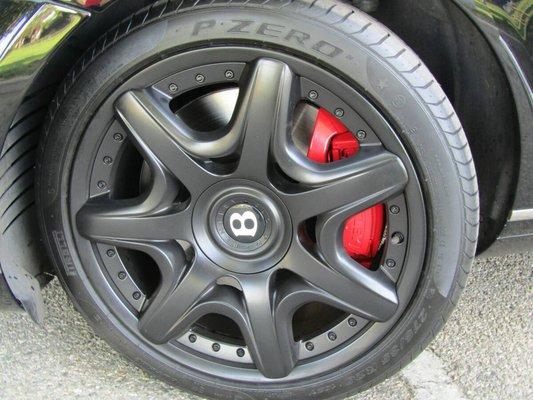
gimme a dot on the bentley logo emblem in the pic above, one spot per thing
(244, 224)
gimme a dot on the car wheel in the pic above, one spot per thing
(270, 200)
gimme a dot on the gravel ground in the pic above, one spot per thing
(484, 351)
(488, 342)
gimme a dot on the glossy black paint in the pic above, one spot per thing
(30, 32)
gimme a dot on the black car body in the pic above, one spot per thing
(481, 52)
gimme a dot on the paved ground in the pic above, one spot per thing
(484, 352)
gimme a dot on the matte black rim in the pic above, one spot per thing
(186, 179)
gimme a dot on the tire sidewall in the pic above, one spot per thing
(332, 48)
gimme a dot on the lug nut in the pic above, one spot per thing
(394, 209)
(309, 346)
(339, 113)
(199, 78)
(397, 238)
(313, 95)
(192, 338)
(121, 275)
(332, 336)
(390, 263)
(136, 295)
(240, 352)
(216, 347)
(101, 184)
(361, 135)
(118, 137)
(352, 321)
(229, 74)
(173, 87)
(107, 160)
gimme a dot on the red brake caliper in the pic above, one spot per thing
(332, 141)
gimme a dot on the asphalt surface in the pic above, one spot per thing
(483, 353)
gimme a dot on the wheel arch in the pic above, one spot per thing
(473, 78)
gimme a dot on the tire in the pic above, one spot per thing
(336, 38)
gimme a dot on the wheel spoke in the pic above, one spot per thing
(160, 134)
(266, 109)
(169, 257)
(295, 292)
(373, 177)
(178, 300)
(350, 287)
(268, 332)
(121, 221)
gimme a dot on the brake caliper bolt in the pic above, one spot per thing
(352, 321)
(173, 87)
(136, 295)
(332, 336)
(240, 352)
(216, 347)
(339, 113)
(199, 78)
(118, 137)
(390, 263)
(361, 135)
(107, 160)
(192, 338)
(309, 346)
(229, 74)
(101, 185)
(313, 95)
(121, 275)
(397, 238)
(394, 209)
(110, 253)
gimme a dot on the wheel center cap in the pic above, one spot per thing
(242, 226)
(241, 222)
(244, 223)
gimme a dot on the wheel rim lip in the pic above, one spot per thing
(305, 370)
(264, 257)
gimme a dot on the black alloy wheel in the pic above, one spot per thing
(197, 181)
(194, 232)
